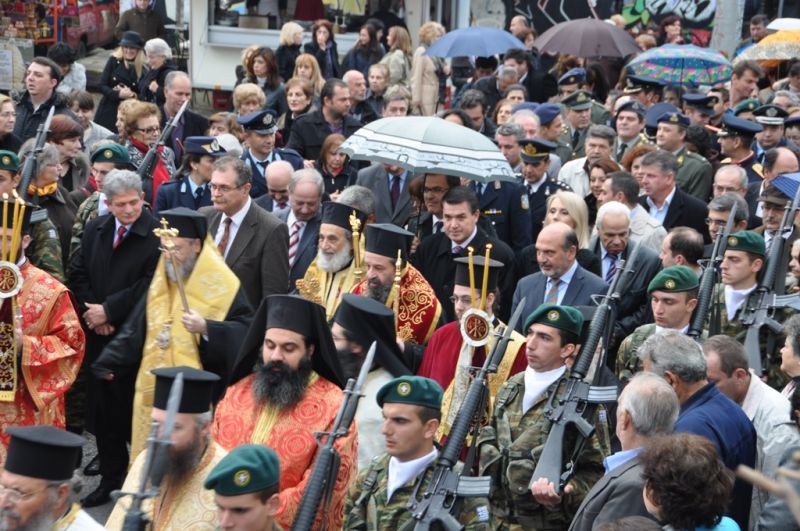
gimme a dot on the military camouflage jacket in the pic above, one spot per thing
(509, 450)
(628, 362)
(44, 250)
(367, 508)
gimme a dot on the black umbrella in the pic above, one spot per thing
(587, 37)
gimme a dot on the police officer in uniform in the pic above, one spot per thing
(552, 129)
(575, 80)
(644, 89)
(735, 138)
(187, 191)
(538, 183)
(379, 497)
(259, 130)
(695, 175)
(578, 119)
(673, 297)
(699, 108)
(629, 113)
(505, 206)
(510, 445)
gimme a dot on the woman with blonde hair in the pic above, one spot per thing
(289, 48)
(306, 67)
(399, 57)
(427, 73)
(120, 78)
(247, 98)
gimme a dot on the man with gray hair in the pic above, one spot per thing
(730, 178)
(493, 87)
(396, 101)
(360, 198)
(705, 411)
(114, 267)
(647, 408)
(306, 189)
(177, 91)
(623, 187)
(598, 145)
(360, 109)
(767, 409)
(719, 212)
(507, 137)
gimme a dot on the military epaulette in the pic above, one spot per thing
(39, 215)
(726, 160)
(758, 168)
(645, 138)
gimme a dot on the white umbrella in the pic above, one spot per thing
(784, 24)
(429, 145)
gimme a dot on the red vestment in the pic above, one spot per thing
(53, 346)
(292, 438)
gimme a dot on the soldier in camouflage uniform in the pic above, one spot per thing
(673, 298)
(511, 444)
(411, 411)
(695, 174)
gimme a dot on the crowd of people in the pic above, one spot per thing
(245, 252)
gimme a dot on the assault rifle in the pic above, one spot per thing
(326, 468)
(760, 314)
(708, 280)
(155, 462)
(446, 486)
(30, 168)
(148, 164)
(574, 399)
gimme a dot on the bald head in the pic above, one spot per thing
(277, 176)
(356, 83)
(779, 161)
(556, 247)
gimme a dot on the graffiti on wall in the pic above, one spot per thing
(542, 14)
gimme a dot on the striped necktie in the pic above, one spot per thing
(612, 268)
(552, 293)
(294, 240)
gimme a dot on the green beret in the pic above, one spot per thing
(8, 160)
(114, 153)
(247, 468)
(674, 279)
(414, 390)
(562, 317)
(747, 241)
(745, 106)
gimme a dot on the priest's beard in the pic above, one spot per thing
(279, 385)
(338, 261)
(377, 291)
(186, 268)
(43, 520)
(183, 462)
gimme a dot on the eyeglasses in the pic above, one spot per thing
(465, 300)
(14, 496)
(148, 130)
(223, 189)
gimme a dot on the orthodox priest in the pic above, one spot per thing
(182, 502)
(448, 356)
(293, 393)
(41, 340)
(194, 314)
(358, 322)
(399, 285)
(337, 267)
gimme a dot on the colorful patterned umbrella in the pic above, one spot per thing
(682, 64)
(776, 47)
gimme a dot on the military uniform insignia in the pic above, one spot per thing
(681, 159)
(758, 168)
(108, 153)
(524, 203)
(6, 160)
(673, 118)
(553, 315)
(267, 120)
(669, 284)
(733, 241)
(483, 513)
(530, 150)
(404, 389)
(772, 112)
(241, 478)
(581, 98)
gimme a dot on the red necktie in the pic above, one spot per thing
(120, 235)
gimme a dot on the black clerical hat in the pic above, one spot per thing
(190, 223)
(339, 214)
(386, 238)
(298, 315)
(197, 388)
(368, 320)
(478, 263)
(43, 452)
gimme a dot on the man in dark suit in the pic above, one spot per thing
(389, 184)
(177, 90)
(612, 244)
(647, 408)
(259, 130)
(310, 130)
(254, 242)
(191, 190)
(435, 255)
(117, 258)
(540, 84)
(664, 200)
(276, 200)
(303, 220)
(560, 279)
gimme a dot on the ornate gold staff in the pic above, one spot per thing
(395, 291)
(355, 226)
(10, 285)
(168, 248)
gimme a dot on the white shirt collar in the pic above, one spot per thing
(401, 472)
(536, 383)
(466, 242)
(667, 201)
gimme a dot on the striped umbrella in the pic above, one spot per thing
(682, 64)
(429, 144)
